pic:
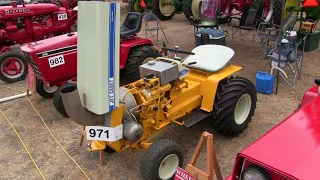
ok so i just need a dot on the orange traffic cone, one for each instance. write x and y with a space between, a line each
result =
143 4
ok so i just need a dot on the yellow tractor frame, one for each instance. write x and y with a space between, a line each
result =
200 92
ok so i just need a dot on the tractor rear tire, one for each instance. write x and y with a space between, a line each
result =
187 11
42 91
57 100
234 106
19 58
156 10
136 58
162 153
277 11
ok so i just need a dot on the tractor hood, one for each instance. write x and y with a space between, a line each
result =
292 147
62 43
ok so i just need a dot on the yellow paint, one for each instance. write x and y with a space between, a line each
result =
97 146
289 3
159 106
211 86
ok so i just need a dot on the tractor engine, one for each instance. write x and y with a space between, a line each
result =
148 95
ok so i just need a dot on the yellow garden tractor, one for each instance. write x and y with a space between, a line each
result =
170 91
180 91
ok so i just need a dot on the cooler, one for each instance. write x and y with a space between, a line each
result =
312 41
210 36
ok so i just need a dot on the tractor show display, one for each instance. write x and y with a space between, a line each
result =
121 91
21 24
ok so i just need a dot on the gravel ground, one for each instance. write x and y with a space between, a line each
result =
15 163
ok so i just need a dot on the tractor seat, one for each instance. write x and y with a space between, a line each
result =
209 58
131 25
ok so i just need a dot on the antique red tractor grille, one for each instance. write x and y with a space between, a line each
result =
33 64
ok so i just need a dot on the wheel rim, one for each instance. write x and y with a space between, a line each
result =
166 7
12 68
168 166
242 109
290 4
48 88
268 10
147 59
137 7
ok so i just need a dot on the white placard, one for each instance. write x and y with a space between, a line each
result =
62 16
102 133
56 61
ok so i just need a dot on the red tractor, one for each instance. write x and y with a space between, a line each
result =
20 24
291 150
54 60
68 4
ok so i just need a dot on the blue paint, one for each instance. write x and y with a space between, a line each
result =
112 26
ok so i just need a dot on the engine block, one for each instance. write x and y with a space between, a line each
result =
165 71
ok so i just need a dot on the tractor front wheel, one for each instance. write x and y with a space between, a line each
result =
13 66
161 160
135 6
57 100
44 89
234 106
163 9
137 57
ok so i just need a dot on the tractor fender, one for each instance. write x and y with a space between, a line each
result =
309 95
127 46
210 87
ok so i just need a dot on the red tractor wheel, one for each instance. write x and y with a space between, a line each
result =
13 66
268 10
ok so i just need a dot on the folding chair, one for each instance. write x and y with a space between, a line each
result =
150 17
276 32
248 22
287 55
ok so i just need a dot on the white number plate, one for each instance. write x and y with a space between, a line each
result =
62 16
56 61
102 133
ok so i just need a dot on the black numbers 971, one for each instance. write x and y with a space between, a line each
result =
98 133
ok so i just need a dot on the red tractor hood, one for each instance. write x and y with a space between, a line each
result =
292 147
57 42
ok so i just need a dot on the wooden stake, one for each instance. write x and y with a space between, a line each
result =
212 162
83 132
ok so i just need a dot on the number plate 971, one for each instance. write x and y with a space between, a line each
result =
102 133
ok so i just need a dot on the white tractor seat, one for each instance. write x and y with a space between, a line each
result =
209 58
